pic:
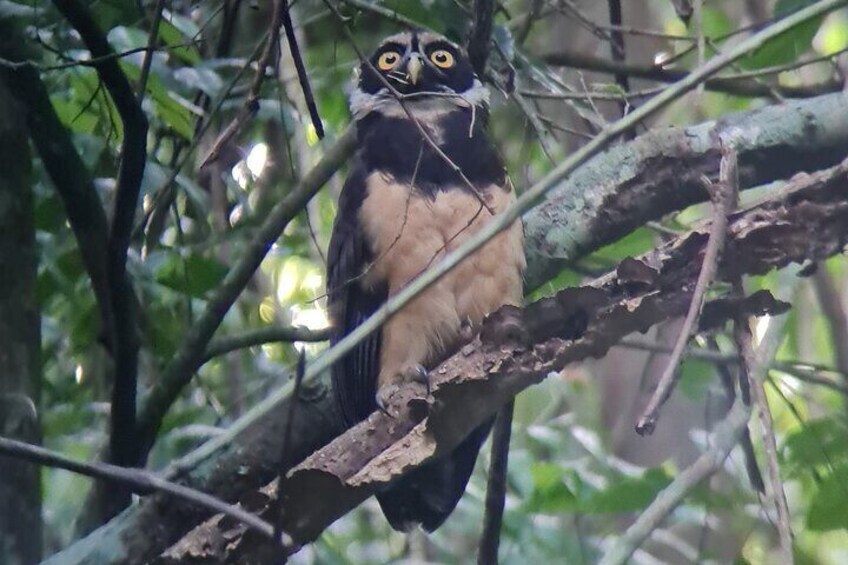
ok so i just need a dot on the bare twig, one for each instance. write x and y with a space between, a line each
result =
833 311
728 382
723 441
139 481
251 102
724 196
756 380
151 49
223 345
742 86
619 55
496 490
302 75
803 371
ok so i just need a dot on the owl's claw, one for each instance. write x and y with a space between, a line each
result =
414 374
382 398
418 374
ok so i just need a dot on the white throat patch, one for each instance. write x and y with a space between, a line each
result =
362 103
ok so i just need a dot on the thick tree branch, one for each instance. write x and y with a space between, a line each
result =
604 200
63 164
661 171
808 220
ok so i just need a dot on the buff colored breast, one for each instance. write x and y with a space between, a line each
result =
412 231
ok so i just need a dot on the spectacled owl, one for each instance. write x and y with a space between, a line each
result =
410 199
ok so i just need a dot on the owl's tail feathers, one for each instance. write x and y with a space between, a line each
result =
429 494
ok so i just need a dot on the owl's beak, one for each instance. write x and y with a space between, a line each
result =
413 69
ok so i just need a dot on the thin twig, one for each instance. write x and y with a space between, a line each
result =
496 490
801 370
302 75
251 102
287 437
724 196
224 345
618 53
151 49
723 441
743 86
139 481
756 380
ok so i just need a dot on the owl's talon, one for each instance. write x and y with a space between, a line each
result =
382 398
419 374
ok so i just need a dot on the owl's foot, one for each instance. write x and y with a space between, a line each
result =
413 374
466 330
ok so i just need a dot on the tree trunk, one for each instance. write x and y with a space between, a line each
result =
20 338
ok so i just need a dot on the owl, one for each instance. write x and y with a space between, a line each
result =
425 178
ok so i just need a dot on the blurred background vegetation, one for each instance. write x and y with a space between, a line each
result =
578 473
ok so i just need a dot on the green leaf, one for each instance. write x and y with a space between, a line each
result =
203 79
195 275
695 378
787 46
169 106
628 494
633 244
829 507
550 494
173 32
818 442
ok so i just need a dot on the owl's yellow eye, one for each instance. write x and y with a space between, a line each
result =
388 60
442 58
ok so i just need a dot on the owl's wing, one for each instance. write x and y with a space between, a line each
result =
350 303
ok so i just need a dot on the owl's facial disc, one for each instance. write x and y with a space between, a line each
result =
416 64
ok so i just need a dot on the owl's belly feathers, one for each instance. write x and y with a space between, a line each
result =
410 231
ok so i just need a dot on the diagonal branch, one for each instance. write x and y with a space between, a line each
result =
724 196
139 481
